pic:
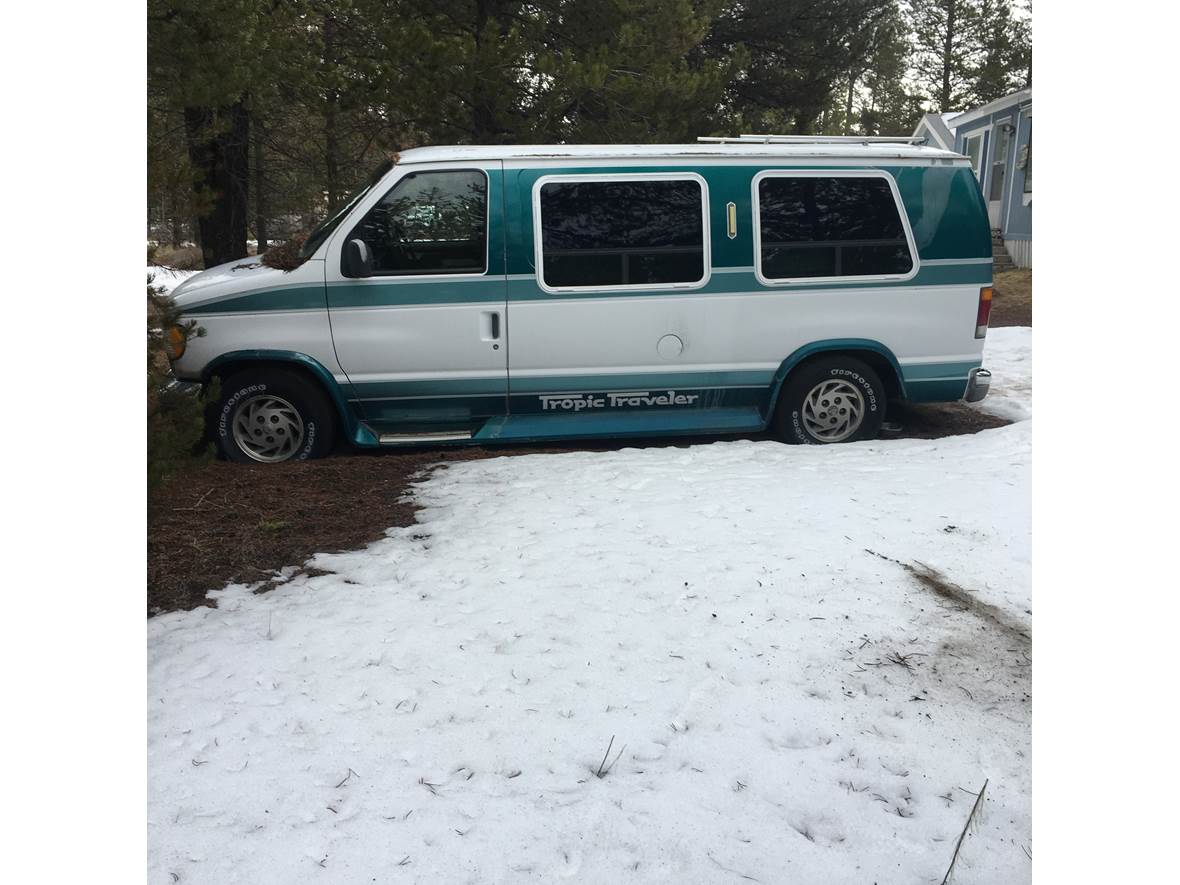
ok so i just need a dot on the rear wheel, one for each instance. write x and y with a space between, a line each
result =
830 399
269 416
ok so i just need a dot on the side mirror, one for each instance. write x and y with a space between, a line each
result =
358 260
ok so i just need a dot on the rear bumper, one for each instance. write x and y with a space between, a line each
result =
979 381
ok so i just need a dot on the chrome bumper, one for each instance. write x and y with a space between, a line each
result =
978 383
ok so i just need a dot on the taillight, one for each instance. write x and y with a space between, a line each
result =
985 312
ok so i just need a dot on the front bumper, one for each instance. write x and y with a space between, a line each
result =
979 381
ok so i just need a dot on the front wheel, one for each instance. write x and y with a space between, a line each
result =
830 400
270 415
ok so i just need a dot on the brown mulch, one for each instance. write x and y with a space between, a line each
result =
218 523
1012 298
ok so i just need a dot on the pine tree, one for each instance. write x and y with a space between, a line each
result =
892 106
627 71
799 53
945 34
203 58
994 69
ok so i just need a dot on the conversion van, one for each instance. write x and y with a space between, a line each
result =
499 294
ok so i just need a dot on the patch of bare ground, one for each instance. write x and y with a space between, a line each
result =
1012 298
939 584
936 420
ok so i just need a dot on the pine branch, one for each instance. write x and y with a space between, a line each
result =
963 835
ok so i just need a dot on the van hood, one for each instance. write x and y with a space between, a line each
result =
242 277
246 270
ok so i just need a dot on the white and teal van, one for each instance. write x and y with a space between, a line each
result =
499 294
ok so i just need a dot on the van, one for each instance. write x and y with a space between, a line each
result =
500 294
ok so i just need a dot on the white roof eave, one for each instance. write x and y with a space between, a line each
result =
1014 98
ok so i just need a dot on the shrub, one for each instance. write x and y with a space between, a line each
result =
176 423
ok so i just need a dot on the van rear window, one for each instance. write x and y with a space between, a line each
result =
820 226
622 232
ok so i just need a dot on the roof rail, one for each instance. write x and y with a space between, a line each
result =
746 138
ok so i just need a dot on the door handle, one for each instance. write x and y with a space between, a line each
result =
489 325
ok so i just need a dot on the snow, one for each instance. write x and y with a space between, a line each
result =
168 278
788 699
1008 354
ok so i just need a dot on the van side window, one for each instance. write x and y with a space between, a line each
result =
622 232
430 223
841 226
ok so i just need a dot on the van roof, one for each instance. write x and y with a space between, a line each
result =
814 151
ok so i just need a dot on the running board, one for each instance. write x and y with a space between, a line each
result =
395 439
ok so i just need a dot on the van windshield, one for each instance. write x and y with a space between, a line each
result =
324 229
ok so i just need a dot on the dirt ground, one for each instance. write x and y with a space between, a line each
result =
1012 298
220 522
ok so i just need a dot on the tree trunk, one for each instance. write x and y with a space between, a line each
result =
948 59
332 149
175 225
260 207
848 107
483 113
331 119
219 151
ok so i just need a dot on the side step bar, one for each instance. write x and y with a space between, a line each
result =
393 439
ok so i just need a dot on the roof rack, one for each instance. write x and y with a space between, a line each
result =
746 138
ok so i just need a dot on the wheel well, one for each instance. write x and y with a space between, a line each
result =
877 361
233 367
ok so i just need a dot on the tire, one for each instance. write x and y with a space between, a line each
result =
270 415
830 399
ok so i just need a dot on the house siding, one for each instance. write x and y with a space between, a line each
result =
1015 217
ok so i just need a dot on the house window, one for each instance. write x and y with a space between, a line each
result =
1028 167
999 163
430 223
973 148
630 231
826 226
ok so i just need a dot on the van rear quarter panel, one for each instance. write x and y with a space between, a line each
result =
736 330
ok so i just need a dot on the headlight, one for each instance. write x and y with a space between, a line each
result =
175 341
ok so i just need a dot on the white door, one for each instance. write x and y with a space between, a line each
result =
422 338
998 174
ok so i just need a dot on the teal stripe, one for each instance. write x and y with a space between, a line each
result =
937 382
414 292
938 371
614 424
308 296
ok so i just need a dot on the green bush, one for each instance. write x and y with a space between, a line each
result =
175 419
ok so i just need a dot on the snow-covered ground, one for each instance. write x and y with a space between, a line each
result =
1008 353
808 659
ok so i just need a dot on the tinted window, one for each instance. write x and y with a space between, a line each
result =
431 222
830 227
622 233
